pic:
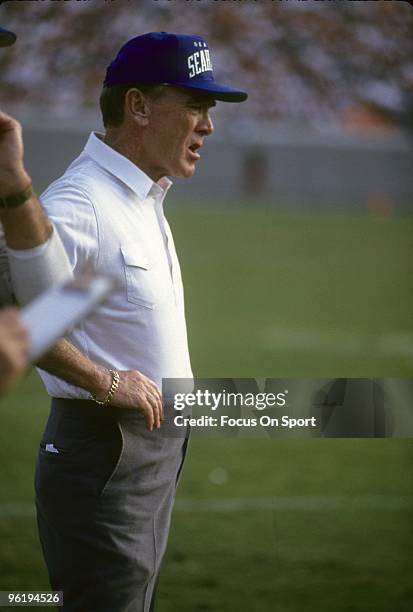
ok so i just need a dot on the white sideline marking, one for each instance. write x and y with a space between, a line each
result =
241 504
375 502
284 338
16 509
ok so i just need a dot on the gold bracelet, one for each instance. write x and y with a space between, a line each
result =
113 387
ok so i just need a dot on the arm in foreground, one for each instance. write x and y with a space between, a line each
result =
26 226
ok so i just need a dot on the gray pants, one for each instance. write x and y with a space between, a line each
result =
105 488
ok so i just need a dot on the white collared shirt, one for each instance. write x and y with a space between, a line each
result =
108 212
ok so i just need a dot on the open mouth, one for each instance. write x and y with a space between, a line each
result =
193 149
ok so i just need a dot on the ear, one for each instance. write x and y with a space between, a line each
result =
137 107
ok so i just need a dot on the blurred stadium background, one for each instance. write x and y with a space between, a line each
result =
296 244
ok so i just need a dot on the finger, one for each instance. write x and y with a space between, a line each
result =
154 387
154 391
156 410
150 387
157 404
5 118
7 123
149 419
146 408
159 411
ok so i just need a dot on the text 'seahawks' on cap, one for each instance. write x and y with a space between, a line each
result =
175 59
7 38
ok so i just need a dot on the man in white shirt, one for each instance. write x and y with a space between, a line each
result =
106 474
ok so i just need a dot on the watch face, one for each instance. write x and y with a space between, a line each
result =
7 38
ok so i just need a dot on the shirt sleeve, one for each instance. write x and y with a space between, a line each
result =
34 270
73 215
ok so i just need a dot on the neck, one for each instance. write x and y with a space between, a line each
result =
116 141
131 148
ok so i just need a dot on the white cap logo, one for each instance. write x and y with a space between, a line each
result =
200 61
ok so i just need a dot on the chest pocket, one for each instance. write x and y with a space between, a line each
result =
145 284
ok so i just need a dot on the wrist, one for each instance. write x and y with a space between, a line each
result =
106 400
17 199
14 183
100 384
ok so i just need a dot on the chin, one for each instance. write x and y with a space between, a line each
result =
188 171
184 170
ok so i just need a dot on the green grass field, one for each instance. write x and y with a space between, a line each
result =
290 525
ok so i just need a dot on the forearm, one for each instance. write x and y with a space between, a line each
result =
135 391
70 364
26 226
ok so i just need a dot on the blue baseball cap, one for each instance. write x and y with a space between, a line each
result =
7 38
174 59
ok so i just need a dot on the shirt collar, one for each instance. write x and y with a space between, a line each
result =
124 169
159 190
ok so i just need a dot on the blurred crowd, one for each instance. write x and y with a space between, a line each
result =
301 61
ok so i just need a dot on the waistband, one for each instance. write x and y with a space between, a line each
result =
83 410
89 408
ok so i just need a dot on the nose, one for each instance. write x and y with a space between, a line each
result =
205 126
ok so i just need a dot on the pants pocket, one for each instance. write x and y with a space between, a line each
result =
121 450
66 435
77 463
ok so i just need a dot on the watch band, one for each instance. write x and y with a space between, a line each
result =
15 200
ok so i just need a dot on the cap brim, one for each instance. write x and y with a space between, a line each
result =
218 91
7 38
